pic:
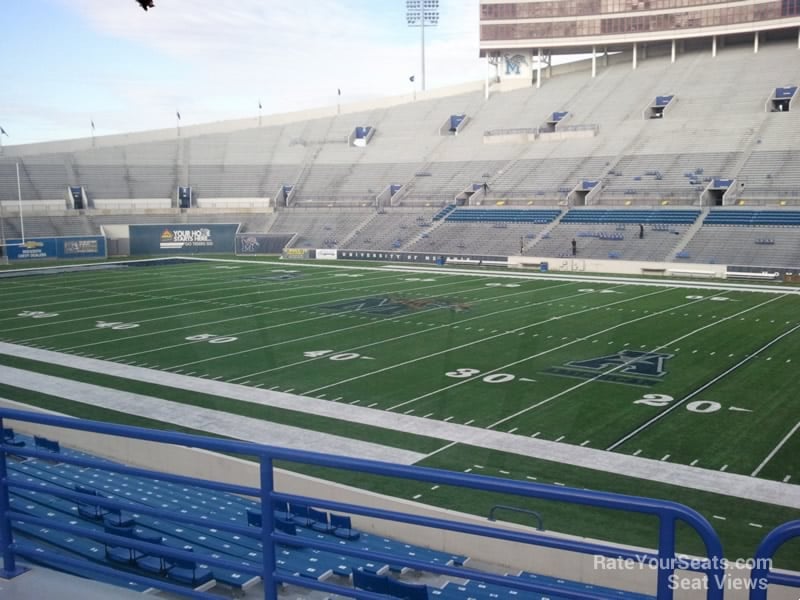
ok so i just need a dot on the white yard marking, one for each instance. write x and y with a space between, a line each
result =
513 429
756 525
466 345
430 414
409 411
372 405
417 497
705 386
450 418
531 477
775 450
665 457
561 437
694 462
435 487
638 452
505 472
787 478
585 443
533 435
737 409
719 518
723 468
470 422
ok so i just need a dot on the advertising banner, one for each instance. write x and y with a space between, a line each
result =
75 247
183 238
326 254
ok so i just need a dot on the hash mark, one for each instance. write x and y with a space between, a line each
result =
638 452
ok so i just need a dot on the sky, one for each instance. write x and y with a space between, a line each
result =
67 63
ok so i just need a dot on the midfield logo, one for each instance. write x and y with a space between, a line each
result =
387 306
626 366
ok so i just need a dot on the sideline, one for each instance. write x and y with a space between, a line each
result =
717 482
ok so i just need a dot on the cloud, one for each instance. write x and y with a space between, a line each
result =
225 56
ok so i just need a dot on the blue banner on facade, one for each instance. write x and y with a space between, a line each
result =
183 238
79 247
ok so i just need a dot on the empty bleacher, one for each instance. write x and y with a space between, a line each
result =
766 238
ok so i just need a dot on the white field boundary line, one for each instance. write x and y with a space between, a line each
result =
387 320
108 277
473 343
676 283
216 308
628 363
675 405
217 302
422 332
775 450
277 325
201 419
725 484
146 295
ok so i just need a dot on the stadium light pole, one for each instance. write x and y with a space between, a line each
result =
422 14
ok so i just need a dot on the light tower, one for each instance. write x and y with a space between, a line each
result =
422 14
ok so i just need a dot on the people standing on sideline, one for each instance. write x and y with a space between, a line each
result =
641 231
574 247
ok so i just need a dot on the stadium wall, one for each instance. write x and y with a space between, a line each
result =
618 267
515 556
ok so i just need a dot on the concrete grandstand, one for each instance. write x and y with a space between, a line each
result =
720 144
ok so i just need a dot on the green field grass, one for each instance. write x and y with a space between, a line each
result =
690 376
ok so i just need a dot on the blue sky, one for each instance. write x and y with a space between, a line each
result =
67 62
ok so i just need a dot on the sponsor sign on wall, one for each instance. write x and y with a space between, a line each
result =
57 247
326 254
183 239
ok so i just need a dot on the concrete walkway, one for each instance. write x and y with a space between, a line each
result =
729 484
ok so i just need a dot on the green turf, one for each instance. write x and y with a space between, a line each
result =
465 349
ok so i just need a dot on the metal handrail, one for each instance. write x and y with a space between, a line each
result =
668 513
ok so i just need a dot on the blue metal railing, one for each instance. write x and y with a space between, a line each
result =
762 574
667 513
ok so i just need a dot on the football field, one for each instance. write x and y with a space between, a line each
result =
677 374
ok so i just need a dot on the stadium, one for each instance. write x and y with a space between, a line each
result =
532 336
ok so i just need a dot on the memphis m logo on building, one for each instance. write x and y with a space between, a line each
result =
387 306
185 238
626 366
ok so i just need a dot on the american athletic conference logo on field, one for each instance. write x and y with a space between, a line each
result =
626 366
388 306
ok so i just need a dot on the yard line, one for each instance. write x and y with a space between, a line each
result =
618 367
559 438
775 449
349 328
247 316
665 457
694 462
384 341
249 331
705 386
638 452
472 343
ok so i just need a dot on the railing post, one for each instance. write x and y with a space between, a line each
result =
10 568
267 527
666 556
